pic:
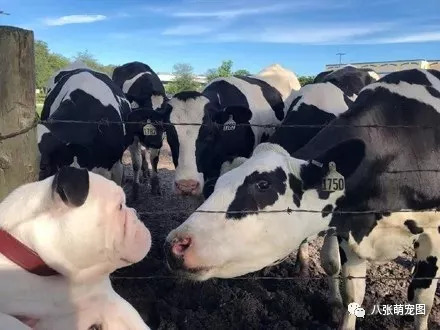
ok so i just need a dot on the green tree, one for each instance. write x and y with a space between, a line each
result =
225 70
89 59
184 79
42 67
46 63
242 72
305 80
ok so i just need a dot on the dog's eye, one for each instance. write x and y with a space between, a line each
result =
96 327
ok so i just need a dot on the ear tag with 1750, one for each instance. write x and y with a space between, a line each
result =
149 129
230 124
334 181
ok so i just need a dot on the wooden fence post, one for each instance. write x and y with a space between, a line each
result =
18 155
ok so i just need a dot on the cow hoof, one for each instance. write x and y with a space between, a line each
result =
301 269
146 174
156 191
135 193
155 187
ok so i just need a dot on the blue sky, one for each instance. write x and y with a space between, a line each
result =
302 35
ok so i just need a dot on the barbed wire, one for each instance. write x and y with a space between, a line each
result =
290 211
20 132
105 122
284 278
122 122
287 210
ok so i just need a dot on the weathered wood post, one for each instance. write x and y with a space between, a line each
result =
17 109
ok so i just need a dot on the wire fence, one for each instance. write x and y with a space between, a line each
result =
104 122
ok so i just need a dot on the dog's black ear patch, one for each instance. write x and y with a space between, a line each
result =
72 184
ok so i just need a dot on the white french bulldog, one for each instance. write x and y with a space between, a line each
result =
60 238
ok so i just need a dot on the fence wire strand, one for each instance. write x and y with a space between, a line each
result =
105 122
285 278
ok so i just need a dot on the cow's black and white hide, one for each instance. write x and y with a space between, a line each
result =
146 94
200 150
387 175
316 104
83 95
348 78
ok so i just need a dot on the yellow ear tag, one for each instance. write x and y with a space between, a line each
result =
149 129
229 125
334 181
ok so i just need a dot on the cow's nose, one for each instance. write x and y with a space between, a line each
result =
175 252
187 186
180 245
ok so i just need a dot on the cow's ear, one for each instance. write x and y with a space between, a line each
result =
72 185
239 115
347 157
165 111
230 165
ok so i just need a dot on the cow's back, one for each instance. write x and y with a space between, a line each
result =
280 78
402 155
83 113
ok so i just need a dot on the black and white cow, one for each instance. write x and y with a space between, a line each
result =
78 93
200 150
385 174
146 94
316 104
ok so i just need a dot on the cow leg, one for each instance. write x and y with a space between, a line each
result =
302 259
117 172
154 159
421 292
145 169
136 159
331 263
354 288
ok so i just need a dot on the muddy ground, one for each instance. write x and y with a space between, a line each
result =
167 303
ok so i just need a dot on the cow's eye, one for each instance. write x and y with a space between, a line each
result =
120 207
263 185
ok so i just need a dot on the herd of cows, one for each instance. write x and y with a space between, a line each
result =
351 157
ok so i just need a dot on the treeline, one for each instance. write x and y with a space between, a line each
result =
47 63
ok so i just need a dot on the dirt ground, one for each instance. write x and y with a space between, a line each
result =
168 303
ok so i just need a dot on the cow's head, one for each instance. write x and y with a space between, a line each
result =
146 99
200 149
147 125
234 242
77 222
349 79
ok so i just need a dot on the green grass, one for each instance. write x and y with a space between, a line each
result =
39 108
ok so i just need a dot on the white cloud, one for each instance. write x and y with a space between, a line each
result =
234 13
411 38
303 35
187 30
74 19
